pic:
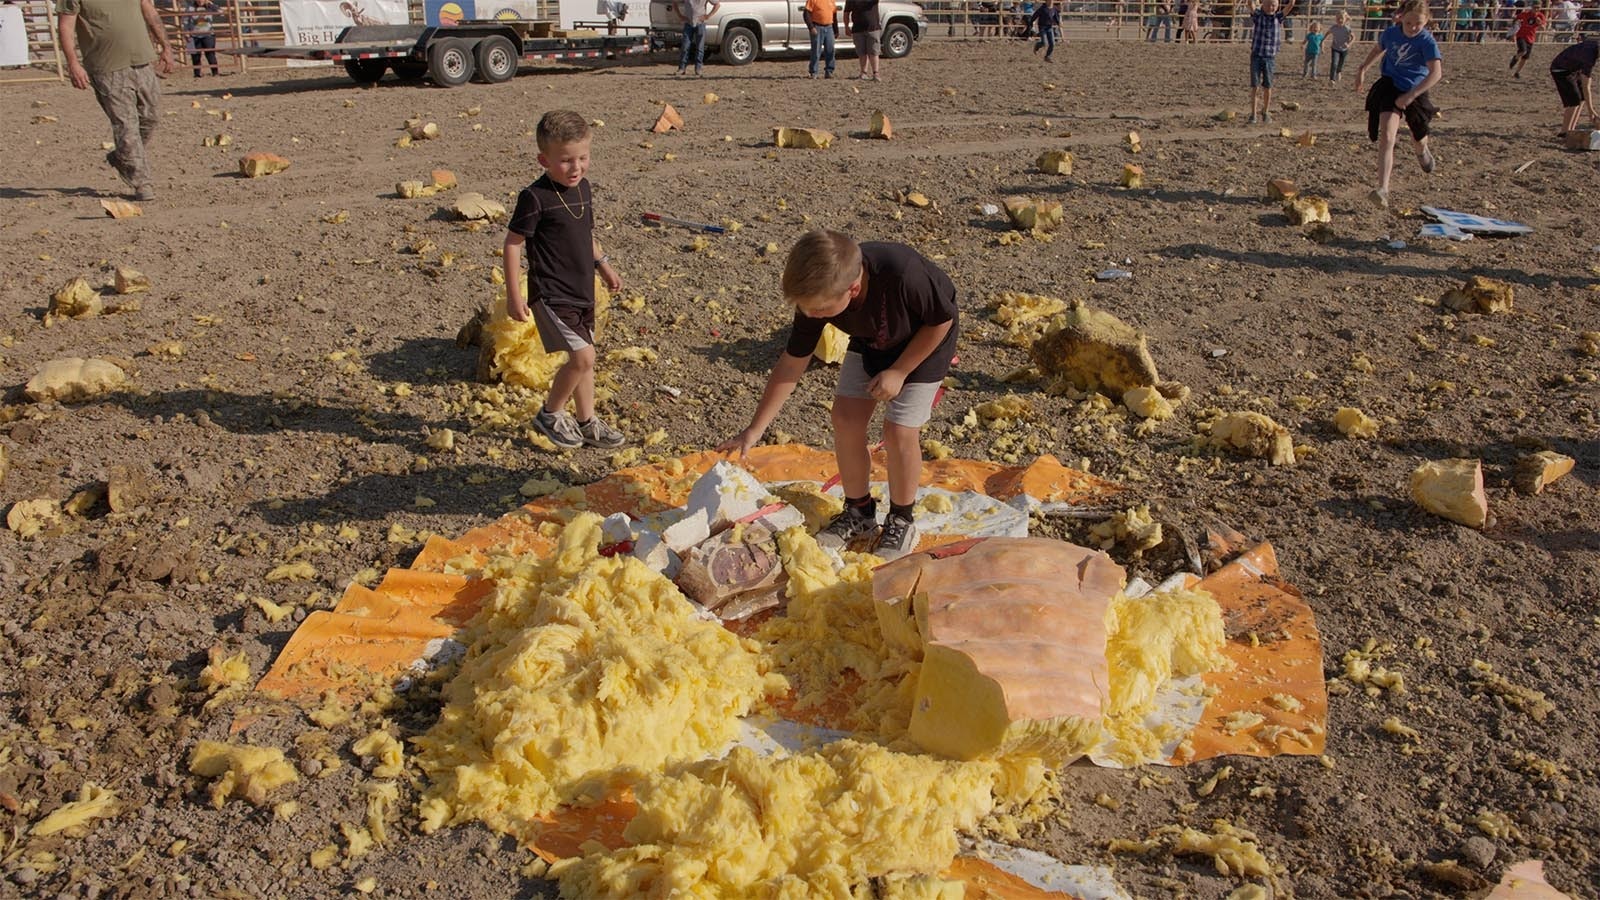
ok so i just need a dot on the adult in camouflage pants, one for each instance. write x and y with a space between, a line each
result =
124 49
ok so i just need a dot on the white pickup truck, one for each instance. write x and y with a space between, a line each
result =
743 30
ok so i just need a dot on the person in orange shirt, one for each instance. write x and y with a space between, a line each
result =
819 21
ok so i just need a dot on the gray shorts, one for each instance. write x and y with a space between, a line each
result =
867 42
562 329
911 409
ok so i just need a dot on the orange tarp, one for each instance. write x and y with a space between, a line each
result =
412 606
374 635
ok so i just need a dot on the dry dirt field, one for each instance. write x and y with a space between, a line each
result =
316 356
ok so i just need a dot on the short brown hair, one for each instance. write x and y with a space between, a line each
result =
1407 7
822 264
560 126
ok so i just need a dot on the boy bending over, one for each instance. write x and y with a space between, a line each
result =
555 219
900 312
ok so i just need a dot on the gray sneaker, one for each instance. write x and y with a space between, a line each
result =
849 524
145 193
899 537
597 433
1266 117
560 428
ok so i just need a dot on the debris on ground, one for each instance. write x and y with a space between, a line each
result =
75 378
1252 434
1479 295
1536 471
802 138
1037 216
260 165
1304 209
880 127
1452 489
1353 423
1093 350
1055 162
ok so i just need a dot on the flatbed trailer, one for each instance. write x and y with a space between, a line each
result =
450 55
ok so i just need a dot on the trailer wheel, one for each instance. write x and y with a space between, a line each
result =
497 59
739 46
897 41
450 62
366 71
410 71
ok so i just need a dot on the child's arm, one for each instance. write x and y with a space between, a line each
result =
1588 99
780 384
1374 56
511 258
602 264
886 385
1288 9
1435 72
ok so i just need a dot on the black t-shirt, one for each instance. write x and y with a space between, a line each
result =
558 223
904 292
1579 57
863 15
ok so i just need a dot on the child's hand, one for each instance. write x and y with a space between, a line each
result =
609 276
517 308
1403 101
886 385
740 443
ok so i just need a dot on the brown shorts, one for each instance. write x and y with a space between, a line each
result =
867 42
563 329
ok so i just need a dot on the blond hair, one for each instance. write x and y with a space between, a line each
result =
823 263
561 126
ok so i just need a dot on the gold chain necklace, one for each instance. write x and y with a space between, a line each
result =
581 202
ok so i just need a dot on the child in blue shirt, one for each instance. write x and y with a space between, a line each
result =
1411 65
1313 50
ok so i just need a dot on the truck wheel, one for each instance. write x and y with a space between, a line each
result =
365 71
450 62
739 46
410 71
497 59
897 41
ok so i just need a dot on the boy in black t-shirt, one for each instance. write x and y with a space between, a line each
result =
900 312
1573 71
555 219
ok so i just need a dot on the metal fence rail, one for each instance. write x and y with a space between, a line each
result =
1229 20
244 23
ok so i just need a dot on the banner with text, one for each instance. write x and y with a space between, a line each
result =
320 21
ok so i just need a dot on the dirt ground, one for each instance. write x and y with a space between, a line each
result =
316 356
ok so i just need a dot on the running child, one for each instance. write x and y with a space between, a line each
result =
901 314
554 218
1528 21
1266 23
1411 65
1338 42
1314 38
1046 19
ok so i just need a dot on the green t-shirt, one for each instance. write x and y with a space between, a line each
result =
111 34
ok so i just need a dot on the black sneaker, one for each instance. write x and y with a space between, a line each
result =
560 428
116 164
848 525
899 537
